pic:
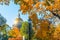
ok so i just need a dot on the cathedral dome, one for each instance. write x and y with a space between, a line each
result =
18 21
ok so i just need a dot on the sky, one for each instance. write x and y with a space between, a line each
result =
10 13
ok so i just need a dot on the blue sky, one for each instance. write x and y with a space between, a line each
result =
10 13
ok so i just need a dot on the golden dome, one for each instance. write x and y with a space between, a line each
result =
18 21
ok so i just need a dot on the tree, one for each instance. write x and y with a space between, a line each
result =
57 33
46 32
49 9
4 32
44 7
14 32
25 30
3 28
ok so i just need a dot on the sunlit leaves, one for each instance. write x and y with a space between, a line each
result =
14 32
24 30
44 25
57 32
26 1
37 5
33 16
24 8
37 34
55 5
49 8
28 5
17 38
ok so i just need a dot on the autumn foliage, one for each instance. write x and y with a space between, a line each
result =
43 28
47 26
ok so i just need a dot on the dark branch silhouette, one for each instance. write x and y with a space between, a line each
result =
55 14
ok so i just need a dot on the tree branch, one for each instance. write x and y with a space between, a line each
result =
55 14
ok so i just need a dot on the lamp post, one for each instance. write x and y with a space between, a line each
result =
1 35
23 37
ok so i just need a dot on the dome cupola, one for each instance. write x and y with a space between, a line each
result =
18 21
